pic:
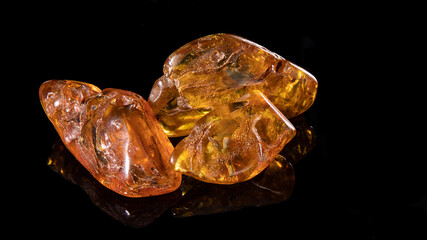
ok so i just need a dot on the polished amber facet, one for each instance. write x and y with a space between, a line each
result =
114 135
220 69
234 142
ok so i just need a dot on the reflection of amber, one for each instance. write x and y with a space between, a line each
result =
133 212
273 185
303 142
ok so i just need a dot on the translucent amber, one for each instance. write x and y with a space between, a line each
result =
220 69
175 119
114 135
234 142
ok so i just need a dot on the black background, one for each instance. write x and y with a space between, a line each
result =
363 180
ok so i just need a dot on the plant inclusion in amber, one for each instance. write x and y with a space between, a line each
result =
114 134
234 142
220 69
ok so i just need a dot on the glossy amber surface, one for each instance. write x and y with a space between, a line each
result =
220 69
234 142
176 119
114 134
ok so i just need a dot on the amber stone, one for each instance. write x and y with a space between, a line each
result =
220 69
273 185
234 142
114 134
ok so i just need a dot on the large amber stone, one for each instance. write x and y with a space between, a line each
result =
114 135
234 142
219 69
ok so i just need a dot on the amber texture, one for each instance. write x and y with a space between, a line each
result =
132 212
234 142
275 184
175 119
114 135
220 69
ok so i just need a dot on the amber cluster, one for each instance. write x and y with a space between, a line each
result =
231 97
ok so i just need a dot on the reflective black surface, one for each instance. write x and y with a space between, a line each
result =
365 178
272 186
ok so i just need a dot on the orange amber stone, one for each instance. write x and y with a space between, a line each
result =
219 69
234 142
114 135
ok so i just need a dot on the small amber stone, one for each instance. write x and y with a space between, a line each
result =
114 135
219 69
234 142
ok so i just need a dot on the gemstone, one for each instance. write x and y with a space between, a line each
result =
234 142
273 185
219 69
114 134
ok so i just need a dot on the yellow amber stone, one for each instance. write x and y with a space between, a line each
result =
234 142
114 135
220 69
